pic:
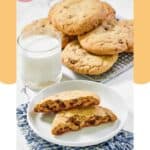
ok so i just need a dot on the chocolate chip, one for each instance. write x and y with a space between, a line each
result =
66 7
92 121
43 26
73 61
120 41
76 122
60 103
97 117
71 119
70 16
105 28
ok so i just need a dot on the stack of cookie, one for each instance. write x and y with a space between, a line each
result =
74 111
100 36
91 35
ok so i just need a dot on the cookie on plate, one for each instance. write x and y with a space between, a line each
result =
75 17
76 119
110 38
82 62
67 100
44 25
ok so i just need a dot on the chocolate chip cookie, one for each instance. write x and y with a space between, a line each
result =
76 119
75 17
112 37
82 62
67 100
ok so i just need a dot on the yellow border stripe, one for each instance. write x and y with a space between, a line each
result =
142 41
8 41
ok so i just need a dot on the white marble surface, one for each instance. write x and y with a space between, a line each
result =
27 12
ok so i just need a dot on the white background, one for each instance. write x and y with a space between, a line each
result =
8 120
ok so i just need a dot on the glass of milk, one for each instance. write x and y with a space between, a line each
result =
39 59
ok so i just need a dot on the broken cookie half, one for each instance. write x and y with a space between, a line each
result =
67 100
78 118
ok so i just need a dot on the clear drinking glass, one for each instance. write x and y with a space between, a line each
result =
39 58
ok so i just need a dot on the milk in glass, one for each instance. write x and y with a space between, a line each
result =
40 60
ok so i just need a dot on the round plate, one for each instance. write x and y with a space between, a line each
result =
41 124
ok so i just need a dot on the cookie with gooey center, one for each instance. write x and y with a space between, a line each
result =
76 119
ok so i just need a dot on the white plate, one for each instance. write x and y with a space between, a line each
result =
41 124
